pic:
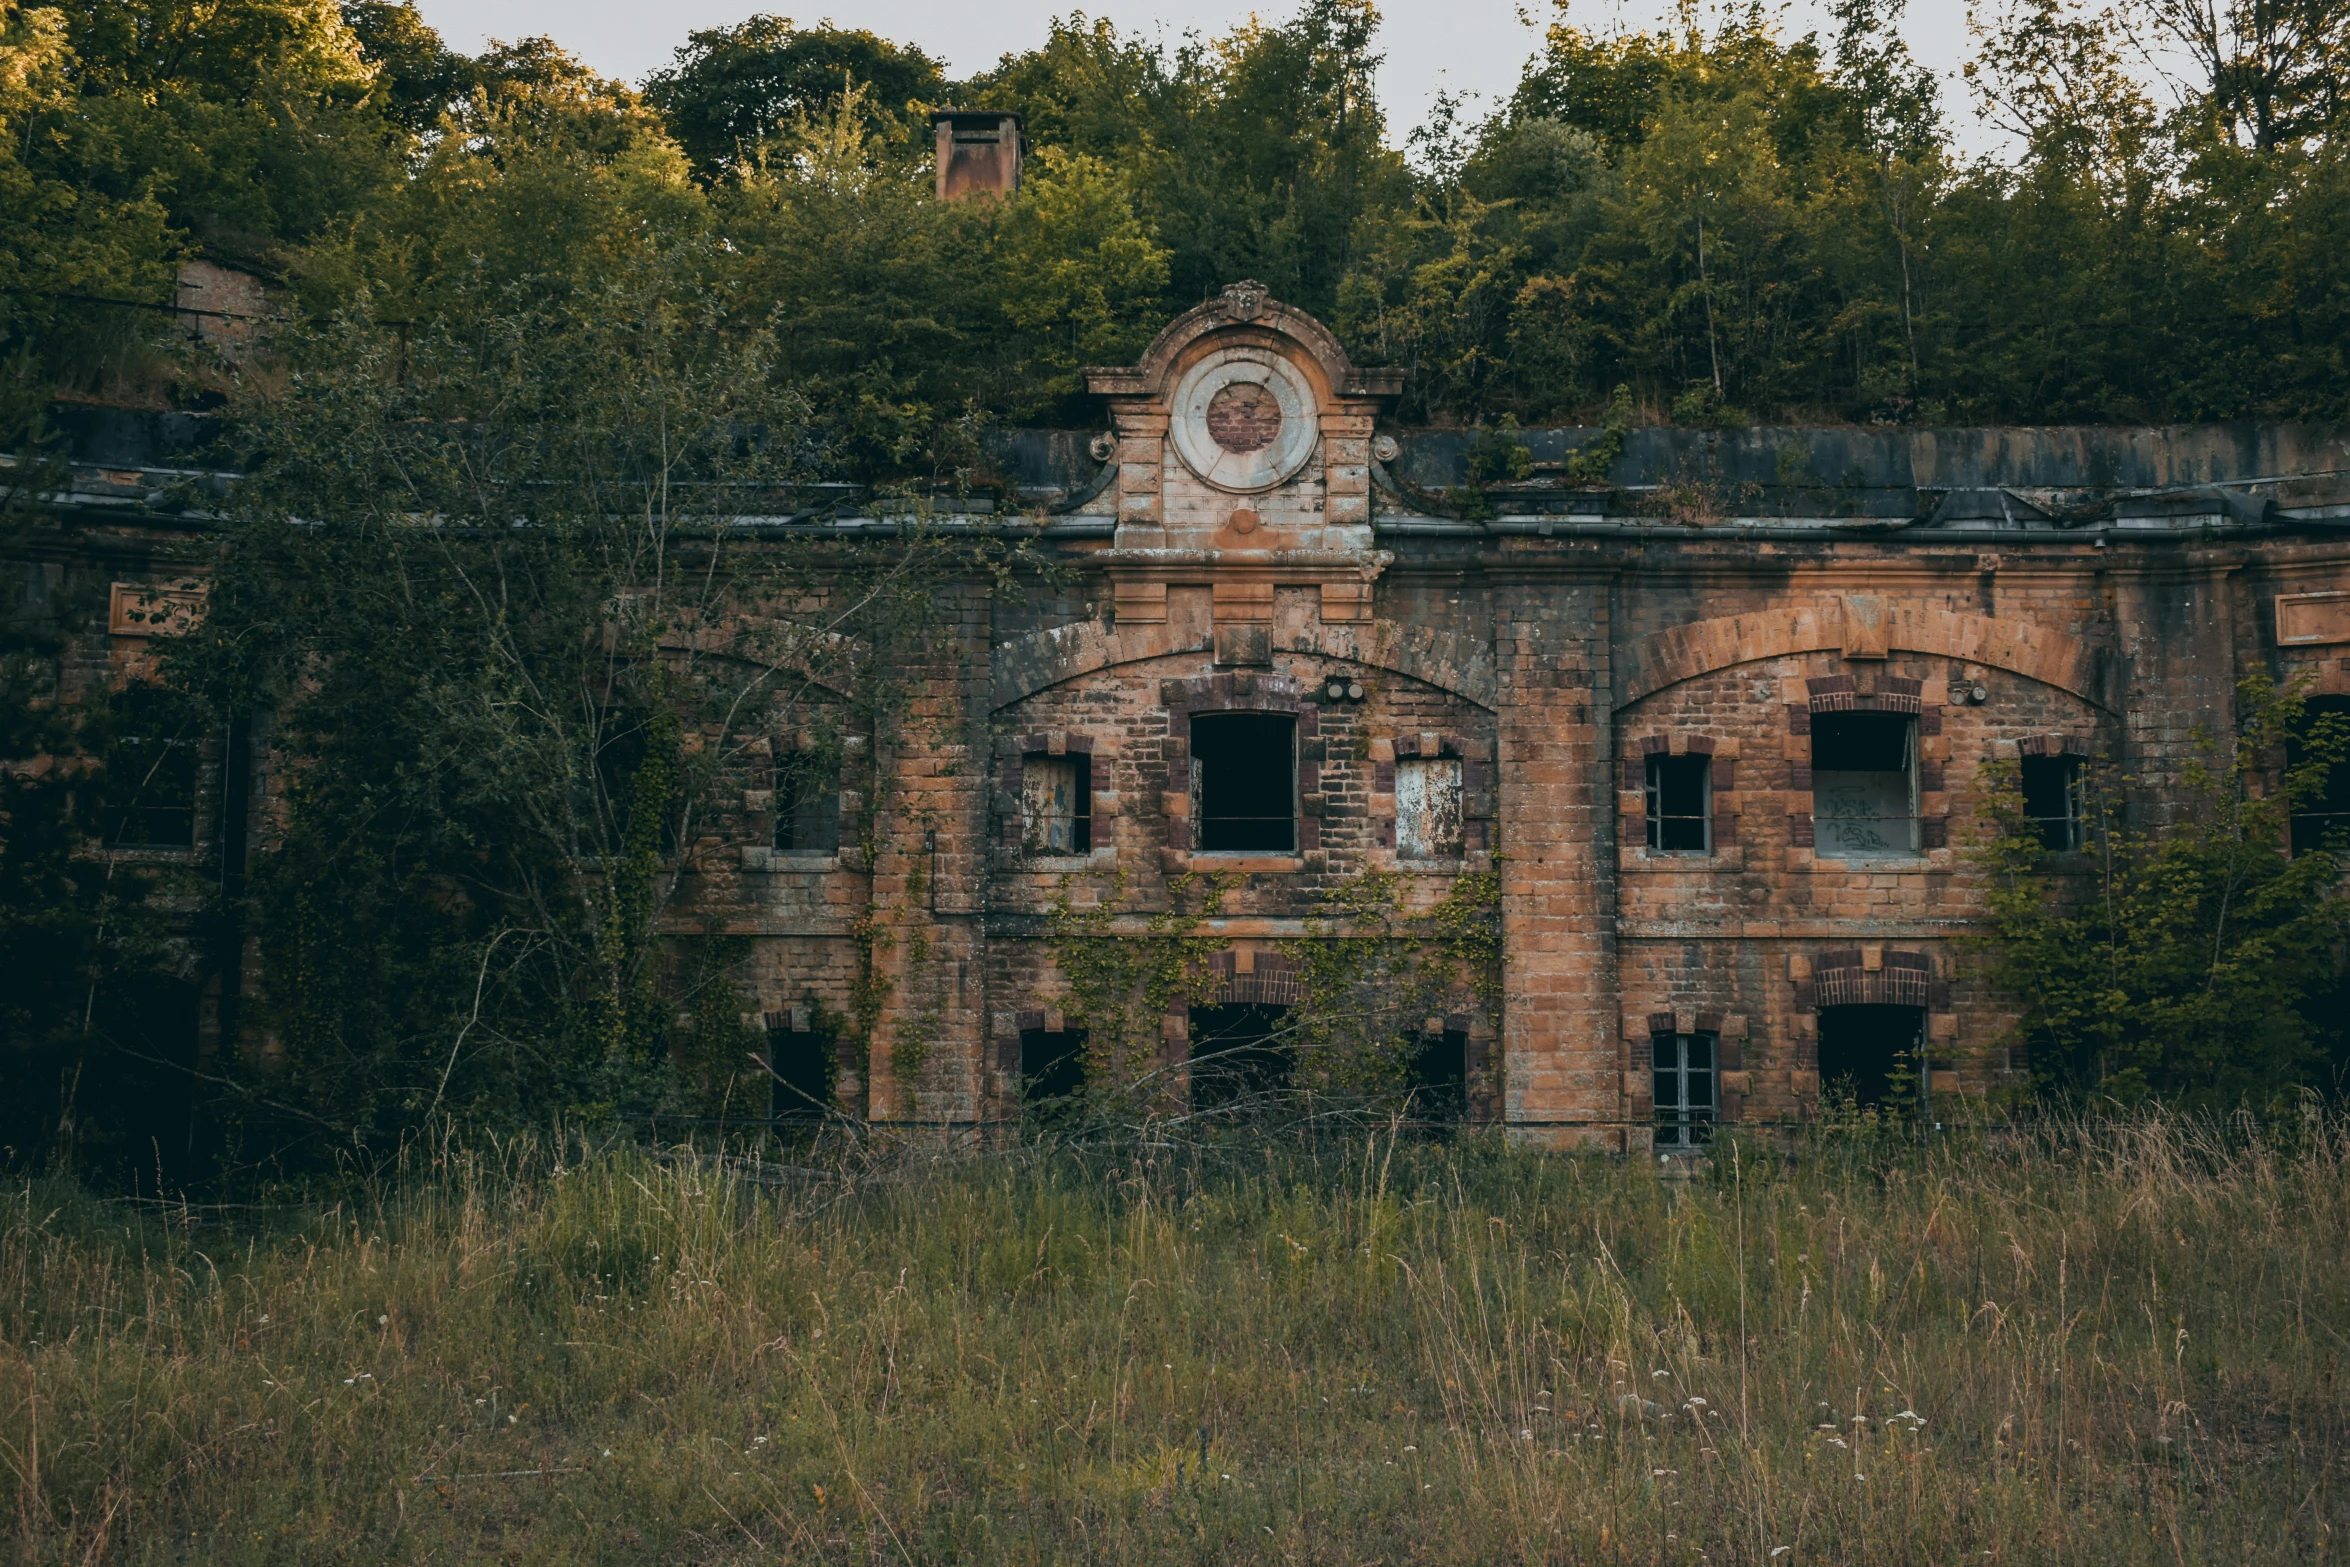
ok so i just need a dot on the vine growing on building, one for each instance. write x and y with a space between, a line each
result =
1120 986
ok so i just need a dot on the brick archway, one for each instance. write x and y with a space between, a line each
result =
1445 660
2026 648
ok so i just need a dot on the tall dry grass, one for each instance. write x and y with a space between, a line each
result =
2083 1343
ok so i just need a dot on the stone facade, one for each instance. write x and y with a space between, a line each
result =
1253 542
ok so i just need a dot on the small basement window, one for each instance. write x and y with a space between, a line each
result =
1437 1077
1056 805
1683 1069
807 804
1680 804
1428 809
2320 738
1052 1065
1864 783
1244 782
1241 1056
801 1066
150 798
2052 800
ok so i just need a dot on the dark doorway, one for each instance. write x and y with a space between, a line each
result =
1052 1066
137 1106
1439 1077
1873 1057
801 1089
1240 1055
1244 782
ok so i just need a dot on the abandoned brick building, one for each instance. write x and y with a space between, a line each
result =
1720 717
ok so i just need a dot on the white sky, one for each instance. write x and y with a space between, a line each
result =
1476 46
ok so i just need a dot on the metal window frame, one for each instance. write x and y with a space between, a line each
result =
2074 793
1682 1119
1653 800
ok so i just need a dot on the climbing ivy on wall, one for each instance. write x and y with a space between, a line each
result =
1369 970
2192 961
1372 970
521 664
1121 987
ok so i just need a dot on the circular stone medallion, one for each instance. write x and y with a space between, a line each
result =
1244 420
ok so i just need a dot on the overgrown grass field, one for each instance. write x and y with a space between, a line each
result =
2086 1343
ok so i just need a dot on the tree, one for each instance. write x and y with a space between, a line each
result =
2270 71
2185 962
733 87
524 663
418 78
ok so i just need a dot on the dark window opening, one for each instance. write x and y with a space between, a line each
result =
1680 804
1052 1066
1240 1055
1056 805
625 737
1244 782
1872 1057
1864 783
2319 738
800 1091
2052 800
150 797
1682 1067
807 804
1438 1076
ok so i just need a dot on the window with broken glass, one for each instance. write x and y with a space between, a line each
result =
1680 804
1864 784
1428 809
1056 805
2052 800
1683 1068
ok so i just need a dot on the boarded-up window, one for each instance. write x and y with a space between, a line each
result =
1428 810
1056 805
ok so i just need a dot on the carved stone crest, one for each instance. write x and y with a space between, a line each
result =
1245 300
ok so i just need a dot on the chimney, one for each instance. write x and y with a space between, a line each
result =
978 153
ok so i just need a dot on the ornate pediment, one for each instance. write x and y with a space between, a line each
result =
1243 442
